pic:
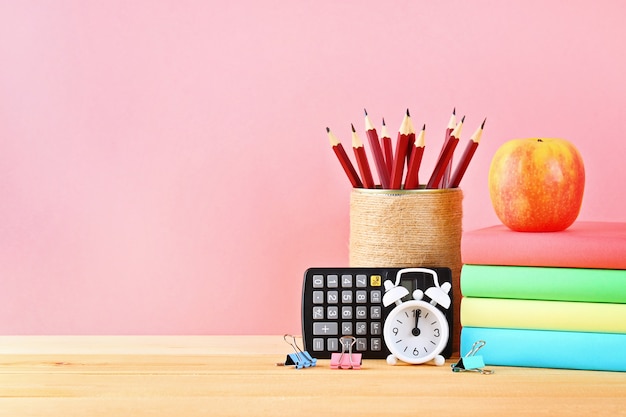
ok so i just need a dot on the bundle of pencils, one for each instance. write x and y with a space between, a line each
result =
400 169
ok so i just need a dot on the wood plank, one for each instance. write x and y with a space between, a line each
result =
222 383
162 345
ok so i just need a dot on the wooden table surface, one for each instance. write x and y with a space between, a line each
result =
238 376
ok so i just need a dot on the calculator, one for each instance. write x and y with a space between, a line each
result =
340 302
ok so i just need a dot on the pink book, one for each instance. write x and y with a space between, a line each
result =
582 245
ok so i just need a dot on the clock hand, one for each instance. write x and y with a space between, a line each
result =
416 330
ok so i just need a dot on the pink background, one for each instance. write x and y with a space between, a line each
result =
164 166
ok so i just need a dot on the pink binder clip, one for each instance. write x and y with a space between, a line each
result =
346 359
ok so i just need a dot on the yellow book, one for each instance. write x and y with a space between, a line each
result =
543 315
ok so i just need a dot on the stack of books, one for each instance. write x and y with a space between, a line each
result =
549 300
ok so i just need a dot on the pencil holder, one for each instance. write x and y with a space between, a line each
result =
403 228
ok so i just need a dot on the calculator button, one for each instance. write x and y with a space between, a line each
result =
346 297
332 313
361 328
375 328
361 344
318 281
318 344
376 344
332 281
361 281
318 313
346 313
346 328
346 281
361 312
376 312
325 328
376 280
318 297
332 344
376 296
361 296
332 297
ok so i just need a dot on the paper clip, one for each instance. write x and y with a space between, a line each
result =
471 361
346 359
300 359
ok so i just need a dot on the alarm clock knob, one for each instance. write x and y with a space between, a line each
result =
393 294
439 295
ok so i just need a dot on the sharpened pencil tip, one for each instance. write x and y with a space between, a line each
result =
483 125
407 113
424 127
454 111
328 130
384 122
462 119
352 125
365 110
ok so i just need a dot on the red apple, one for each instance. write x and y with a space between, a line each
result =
537 185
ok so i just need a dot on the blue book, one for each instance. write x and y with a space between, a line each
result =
548 348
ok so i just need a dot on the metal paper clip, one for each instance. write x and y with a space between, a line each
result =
346 359
300 358
471 361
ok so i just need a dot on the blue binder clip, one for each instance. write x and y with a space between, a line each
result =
299 359
471 361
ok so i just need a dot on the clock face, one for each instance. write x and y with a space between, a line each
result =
416 331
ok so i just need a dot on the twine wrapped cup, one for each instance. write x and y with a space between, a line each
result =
405 228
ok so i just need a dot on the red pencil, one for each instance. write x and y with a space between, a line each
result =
344 160
467 156
412 175
401 149
361 160
387 147
445 156
411 142
451 125
372 136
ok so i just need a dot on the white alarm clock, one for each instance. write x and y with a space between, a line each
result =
416 331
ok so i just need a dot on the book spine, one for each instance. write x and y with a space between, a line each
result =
548 349
544 283
543 315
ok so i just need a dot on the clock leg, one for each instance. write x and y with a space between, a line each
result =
392 360
439 360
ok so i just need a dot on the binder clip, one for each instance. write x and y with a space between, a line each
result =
346 359
471 361
300 358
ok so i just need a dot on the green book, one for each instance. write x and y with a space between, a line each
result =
544 283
